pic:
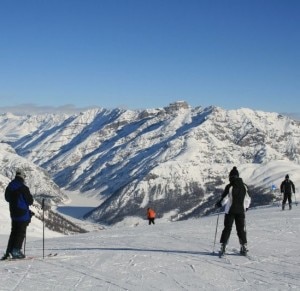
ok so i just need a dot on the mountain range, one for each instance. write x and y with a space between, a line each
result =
175 159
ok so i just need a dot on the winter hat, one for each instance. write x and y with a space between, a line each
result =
20 173
234 172
287 177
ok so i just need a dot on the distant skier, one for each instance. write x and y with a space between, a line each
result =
18 196
237 201
286 188
151 215
234 172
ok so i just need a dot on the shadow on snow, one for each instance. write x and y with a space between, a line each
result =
203 253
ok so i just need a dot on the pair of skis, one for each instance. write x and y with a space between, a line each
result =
51 255
235 252
221 254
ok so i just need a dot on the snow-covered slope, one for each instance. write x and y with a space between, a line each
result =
37 179
176 158
167 256
42 188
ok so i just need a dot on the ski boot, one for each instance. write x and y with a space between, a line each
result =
222 250
283 206
17 254
5 257
244 250
290 206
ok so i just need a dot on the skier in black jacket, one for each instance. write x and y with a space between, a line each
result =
18 196
286 188
237 201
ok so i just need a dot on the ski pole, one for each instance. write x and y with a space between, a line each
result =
295 199
43 208
24 244
216 230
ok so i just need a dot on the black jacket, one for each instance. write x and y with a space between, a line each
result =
238 199
287 186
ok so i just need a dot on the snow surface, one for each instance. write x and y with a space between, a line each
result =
166 256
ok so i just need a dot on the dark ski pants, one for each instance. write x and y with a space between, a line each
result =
17 236
287 196
151 220
240 227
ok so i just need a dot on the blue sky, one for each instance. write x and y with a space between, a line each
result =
148 53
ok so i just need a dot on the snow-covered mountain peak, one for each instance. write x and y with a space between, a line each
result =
176 157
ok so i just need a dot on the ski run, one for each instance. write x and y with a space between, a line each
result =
166 256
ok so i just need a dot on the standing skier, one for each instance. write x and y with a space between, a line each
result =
286 188
151 215
18 196
237 201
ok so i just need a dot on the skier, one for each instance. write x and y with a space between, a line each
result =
286 188
237 201
151 215
18 195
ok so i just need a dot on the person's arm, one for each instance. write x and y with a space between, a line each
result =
281 187
293 186
247 199
7 195
27 195
225 193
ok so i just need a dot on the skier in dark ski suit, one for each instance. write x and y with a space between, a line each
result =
286 188
18 196
237 201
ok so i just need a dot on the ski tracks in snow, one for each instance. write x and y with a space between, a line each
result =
175 256
86 277
23 274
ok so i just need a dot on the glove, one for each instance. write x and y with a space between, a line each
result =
31 213
218 204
